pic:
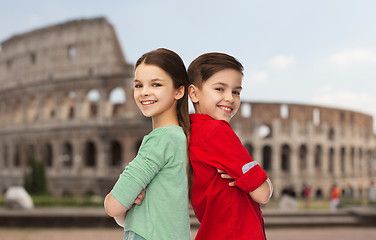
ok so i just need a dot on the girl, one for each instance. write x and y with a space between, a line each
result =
160 92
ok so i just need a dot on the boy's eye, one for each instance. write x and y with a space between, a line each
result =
137 86
236 92
156 85
219 89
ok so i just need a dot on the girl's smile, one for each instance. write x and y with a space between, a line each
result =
155 94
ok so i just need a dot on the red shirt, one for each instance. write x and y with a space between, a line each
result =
224 212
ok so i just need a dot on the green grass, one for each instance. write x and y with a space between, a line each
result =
48 201
322 204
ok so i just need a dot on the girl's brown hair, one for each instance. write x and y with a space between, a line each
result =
174 66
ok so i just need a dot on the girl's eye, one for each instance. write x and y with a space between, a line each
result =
137 86
156 85
236 92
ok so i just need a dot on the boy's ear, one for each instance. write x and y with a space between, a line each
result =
179 93
192 92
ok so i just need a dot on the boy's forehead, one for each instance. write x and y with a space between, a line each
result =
230 78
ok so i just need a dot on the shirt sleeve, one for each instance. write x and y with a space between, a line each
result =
142 169
226 152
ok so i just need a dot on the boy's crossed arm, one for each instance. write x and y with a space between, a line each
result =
261 194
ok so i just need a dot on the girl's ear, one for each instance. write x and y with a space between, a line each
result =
179 93
192 92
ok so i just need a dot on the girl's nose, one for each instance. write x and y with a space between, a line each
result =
145 91
228 97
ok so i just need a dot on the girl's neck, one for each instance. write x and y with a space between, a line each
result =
164 121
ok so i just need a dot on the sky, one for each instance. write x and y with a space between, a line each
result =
320 52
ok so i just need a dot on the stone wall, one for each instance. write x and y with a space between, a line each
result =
66 98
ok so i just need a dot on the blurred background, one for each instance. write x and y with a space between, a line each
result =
69 125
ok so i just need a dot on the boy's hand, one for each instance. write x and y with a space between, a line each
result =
226 176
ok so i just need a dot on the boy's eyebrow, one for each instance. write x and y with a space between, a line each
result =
225 85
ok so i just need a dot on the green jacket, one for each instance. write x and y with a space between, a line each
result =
160 165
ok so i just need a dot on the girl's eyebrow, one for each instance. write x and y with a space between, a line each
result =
226 85
153 80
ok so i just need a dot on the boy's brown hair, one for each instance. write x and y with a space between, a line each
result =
206 65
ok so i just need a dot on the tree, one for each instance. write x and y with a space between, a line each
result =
35 180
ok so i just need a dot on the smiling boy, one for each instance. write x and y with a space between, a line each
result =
224 212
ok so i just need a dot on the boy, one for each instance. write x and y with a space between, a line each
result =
224 212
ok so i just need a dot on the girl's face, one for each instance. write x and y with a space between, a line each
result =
154 92
219 96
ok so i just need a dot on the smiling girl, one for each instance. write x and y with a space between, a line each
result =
160 91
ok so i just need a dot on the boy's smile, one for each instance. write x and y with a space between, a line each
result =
219 96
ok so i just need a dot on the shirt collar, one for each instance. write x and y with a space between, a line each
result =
199 117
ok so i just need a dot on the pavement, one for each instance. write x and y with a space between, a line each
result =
336 233
93 223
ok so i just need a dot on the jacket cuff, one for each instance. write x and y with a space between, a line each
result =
252 179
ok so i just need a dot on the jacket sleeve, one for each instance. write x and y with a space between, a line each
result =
142 169
226 152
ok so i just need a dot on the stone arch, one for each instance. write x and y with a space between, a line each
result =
67 193
67 155
343 160
331 160
17 157
352 160
32 109
117 99
267 158
5 156
47 155
360 162
285 158
18 112
49 109
8 114
116 154
369 163
318 158
331 134
318 193
90 154
68 105
30 153
303 157
249 148
91 103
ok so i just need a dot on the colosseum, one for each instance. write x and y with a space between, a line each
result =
66 99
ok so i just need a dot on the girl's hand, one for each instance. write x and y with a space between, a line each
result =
140 197
226 176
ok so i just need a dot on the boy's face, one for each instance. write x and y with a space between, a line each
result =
219 96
